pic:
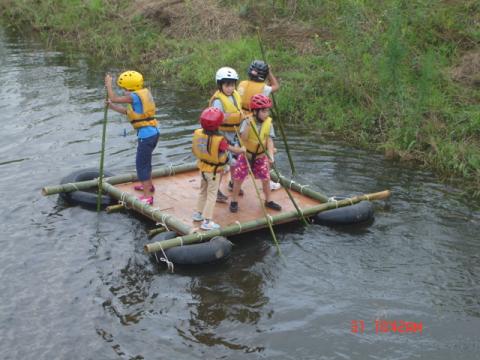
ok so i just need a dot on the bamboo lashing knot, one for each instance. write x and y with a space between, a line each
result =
270 218
172 170
165 260
74 186
122 201
239 226
332 199
301 189
164 221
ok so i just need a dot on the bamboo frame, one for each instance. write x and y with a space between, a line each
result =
132 202
255 224
118 179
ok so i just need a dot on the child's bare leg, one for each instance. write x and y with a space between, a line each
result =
266 189
147 187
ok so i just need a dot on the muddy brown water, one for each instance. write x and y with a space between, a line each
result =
77 285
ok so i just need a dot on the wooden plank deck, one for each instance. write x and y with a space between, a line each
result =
177 195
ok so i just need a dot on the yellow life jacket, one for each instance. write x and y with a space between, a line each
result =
247 89
206 149
148 117
234 110
251 144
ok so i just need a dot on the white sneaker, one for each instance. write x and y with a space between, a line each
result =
209 225
197 216
274 185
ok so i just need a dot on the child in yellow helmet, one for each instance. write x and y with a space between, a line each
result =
140 111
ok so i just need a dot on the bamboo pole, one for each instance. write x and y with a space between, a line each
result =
118 179
255 224
156 231
277 113
134 203
302 189
114 208
102 153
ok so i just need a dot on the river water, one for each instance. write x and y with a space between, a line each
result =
77 285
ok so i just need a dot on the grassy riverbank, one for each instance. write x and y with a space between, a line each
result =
400 76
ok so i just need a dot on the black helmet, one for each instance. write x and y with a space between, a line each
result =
258 70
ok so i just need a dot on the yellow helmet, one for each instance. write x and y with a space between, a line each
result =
130 80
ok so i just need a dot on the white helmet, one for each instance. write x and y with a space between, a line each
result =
225 73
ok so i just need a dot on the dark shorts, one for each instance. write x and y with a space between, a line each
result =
144 157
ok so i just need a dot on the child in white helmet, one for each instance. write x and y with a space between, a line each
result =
140 111
227 99
259 74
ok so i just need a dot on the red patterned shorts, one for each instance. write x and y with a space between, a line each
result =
260 168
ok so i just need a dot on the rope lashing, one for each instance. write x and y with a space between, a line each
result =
332 199
239 226
165 260
172 170
74 186
301 189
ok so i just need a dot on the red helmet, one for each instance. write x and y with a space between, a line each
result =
260 101
211 118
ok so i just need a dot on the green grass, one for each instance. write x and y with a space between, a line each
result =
376 73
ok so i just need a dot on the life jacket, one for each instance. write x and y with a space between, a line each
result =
247 89
251 144
148 117
234 110
206 149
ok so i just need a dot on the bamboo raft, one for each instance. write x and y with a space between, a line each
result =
175 197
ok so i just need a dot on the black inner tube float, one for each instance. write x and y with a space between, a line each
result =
218 248
358 213
87 199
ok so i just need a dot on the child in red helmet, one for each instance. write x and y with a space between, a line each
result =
211 149
260 81
255 155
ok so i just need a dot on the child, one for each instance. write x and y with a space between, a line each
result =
258 73
228 101
210 148
259 161
140 111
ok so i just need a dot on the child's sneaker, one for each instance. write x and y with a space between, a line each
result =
146 199
140 188
197 216
274 185
221 198
230 188
209 225
233 206
273 205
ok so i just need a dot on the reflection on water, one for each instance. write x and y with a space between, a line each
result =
76 284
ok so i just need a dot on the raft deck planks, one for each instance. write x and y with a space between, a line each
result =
177 195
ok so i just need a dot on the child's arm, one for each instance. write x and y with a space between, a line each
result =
118 108
111 94
272 80
270 149
236 149
244 134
